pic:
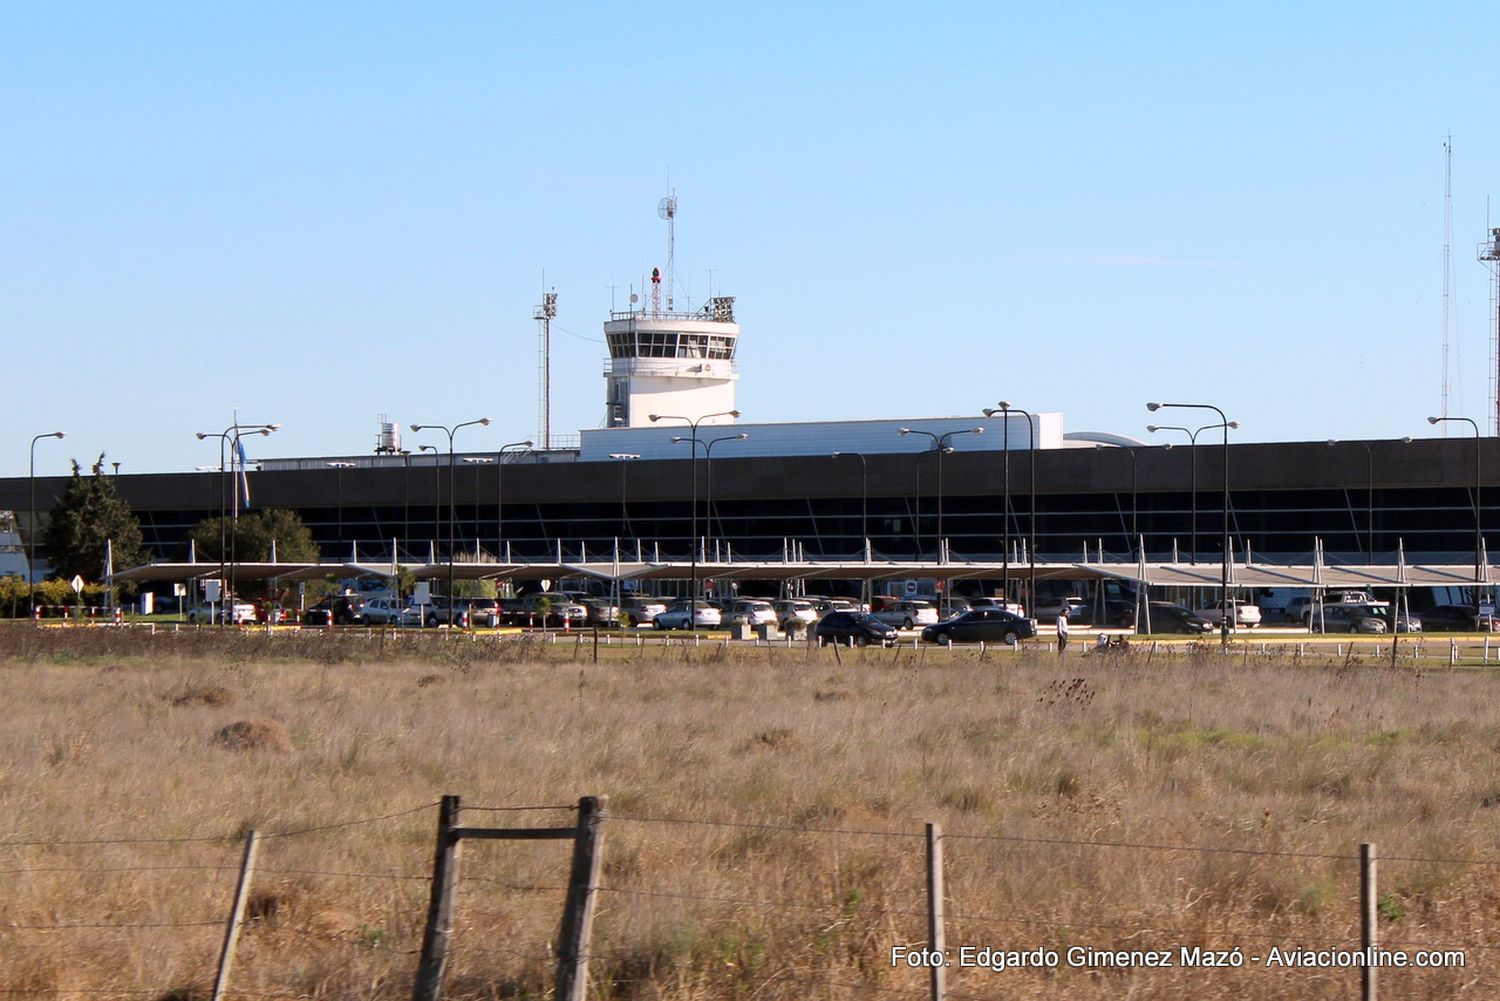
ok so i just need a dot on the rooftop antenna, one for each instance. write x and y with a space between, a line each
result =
667 209
1447 259
545 314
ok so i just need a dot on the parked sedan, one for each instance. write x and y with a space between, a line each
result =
1347 619
1455 619
857 628
795 610
908 614
1241 613
989 625
678 616
1047 610
1169 618
640 611
751 612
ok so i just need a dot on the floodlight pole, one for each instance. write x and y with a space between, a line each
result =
519 446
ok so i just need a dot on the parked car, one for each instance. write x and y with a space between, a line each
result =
825 605
1347 619
483 611
1241 613
791 611
1167 617
551 608
989 625
1297 609
600 610
1455 619
752 612
390 612
1046 611
236 612
858 628
679 614
908 614
640 611
441 612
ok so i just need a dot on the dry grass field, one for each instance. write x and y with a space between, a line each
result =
766 811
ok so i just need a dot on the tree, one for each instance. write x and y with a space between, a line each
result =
86 520
253 534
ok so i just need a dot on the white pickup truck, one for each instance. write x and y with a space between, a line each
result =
1242 613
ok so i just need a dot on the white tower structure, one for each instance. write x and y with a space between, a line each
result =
662 361
1489 256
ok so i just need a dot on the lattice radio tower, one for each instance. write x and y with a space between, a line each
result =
1489 256
545 314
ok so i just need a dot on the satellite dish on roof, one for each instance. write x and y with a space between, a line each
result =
667 207
634 298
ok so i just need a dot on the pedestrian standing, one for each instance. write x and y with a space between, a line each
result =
1062 630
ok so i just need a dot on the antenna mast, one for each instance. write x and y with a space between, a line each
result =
545 314
1447 258
1489 256
667 209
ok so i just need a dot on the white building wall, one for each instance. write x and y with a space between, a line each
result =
823 437
686 397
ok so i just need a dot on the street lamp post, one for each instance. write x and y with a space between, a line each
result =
941 447
1006 409
519 446
624 459
1369 448
693 467
1226 424
338 477
230 438
1478 525
437 487
708 485
864 498
452 507
31 525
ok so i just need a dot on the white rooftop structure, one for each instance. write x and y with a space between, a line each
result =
654 441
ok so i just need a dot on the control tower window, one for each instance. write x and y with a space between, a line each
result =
721 347
658 345
692 346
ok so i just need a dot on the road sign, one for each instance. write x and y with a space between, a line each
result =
77 584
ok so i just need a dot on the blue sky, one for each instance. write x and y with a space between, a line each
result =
321 214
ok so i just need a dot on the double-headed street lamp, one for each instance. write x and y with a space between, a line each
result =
514 446
1193 452
1005 409
230 438
1369 448
31 525
693 466
624 459
864 498
1227 554
1478 529
452 507
708 465
941 447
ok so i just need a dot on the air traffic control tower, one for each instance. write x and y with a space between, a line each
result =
666 362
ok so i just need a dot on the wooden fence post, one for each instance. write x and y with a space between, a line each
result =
936 941
578 911
1368 914
429 983
236 916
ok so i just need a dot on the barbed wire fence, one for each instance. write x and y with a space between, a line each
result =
845 920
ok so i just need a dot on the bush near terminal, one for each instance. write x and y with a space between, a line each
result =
112 736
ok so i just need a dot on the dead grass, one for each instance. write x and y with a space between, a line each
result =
255 735
1199 753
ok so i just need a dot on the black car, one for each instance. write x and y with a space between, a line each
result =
989 625
859 628
344 610
1169 618
1451 619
